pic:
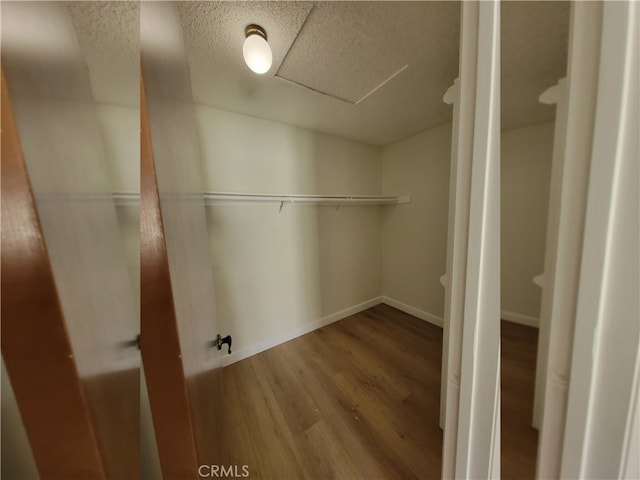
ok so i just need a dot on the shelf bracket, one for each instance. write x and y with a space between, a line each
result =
551 95
452 92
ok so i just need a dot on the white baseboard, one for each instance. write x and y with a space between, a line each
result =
421 314
521 319
297 331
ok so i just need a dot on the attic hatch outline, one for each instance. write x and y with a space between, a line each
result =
325 93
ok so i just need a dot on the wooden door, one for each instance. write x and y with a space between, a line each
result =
160 341
90 317
80 412
178 265
35 345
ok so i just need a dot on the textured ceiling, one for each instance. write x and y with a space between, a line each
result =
349 66
370 71
109 36
534 39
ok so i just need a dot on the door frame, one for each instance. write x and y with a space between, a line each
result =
587 418
603 393
472 408
562 258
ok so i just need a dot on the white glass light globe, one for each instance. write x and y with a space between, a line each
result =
257 54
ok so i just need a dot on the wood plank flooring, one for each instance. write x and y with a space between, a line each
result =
519 440
356 399
360 399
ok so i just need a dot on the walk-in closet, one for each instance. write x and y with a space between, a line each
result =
302 240
326 191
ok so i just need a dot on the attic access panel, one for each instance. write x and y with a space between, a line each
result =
346 50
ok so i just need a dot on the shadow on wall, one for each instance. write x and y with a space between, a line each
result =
525 176
349 238
415 235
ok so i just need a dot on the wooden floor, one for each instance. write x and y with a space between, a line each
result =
519 440
356 399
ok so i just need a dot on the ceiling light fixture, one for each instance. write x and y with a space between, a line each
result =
256 51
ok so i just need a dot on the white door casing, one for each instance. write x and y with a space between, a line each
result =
471 438
562 262
602 398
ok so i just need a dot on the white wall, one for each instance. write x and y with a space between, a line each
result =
526 155
415 235
119 127
277 273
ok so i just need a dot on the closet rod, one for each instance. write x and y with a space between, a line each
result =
211 198
308 199
120 198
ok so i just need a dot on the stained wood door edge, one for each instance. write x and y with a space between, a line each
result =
160 344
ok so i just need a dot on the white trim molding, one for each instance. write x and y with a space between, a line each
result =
416 312
521 319
471 442
569 184
284 336
602 401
